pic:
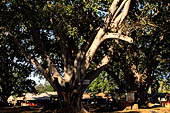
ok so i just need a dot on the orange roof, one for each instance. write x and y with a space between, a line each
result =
86 96
101 95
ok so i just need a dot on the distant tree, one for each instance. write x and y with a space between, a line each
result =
40 88
144 63
48 87
103 83
44 88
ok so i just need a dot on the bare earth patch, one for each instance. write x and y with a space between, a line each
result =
153 110
41 110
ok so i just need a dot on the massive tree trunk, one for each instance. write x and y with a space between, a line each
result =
143 82
70 86
70 103
141 95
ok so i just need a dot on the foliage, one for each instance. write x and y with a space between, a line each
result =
40 88
68 41
146 62
57 37
14 73
73 20
103 83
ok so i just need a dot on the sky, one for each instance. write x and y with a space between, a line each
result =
37 79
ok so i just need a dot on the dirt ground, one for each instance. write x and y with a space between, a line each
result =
153 110
42 110
148 110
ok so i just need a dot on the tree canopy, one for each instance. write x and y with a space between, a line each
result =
61 38
70 41
13 73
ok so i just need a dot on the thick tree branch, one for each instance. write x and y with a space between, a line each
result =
98 39
92 49
125 11
119 19
111 12
90 53
140 76
119 9
36 63
104 61
32 60
92 75
36 38
117 36
63 47
81 53
51 67
96 43
68 69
